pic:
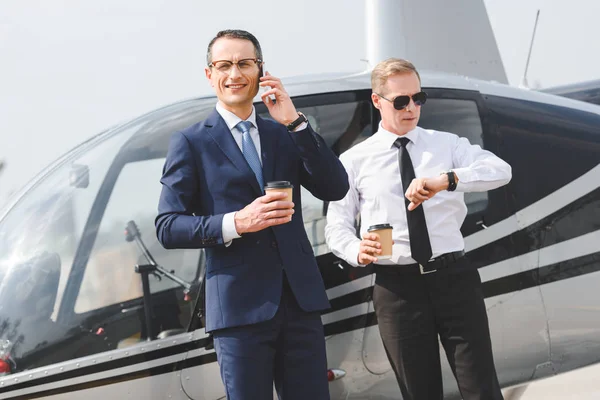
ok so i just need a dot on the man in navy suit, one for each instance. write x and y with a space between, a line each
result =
264 292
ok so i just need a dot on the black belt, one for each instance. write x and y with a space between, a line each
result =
441 262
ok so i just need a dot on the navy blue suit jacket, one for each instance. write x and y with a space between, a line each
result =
206 176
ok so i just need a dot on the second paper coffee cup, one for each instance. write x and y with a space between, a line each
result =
385 239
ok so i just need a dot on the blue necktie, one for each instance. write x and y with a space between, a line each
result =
249 151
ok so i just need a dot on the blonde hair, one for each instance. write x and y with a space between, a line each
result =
387 68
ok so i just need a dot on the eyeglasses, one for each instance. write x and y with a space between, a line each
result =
245 65
401 102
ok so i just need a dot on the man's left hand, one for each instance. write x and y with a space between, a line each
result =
282 110
422 189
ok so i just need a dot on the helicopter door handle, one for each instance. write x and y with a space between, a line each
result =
128 310
482 224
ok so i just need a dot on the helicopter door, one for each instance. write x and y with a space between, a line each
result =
516 317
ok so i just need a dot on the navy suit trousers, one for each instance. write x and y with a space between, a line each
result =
288 350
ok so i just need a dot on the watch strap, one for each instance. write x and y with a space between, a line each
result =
451 181
294 124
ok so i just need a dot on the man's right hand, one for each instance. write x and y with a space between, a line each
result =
265 211
368 249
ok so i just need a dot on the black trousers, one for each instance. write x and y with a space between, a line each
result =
414 309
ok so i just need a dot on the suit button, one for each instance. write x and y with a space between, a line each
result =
274 244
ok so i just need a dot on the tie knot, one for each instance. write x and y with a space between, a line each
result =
401 142
244 126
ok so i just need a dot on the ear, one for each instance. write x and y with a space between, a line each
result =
376 101
208 73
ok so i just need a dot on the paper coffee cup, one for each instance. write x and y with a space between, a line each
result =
384 231
280 186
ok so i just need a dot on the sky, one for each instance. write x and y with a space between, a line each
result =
70 69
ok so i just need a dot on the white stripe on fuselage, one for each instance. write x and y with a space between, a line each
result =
563 251
537 211
349 287
345 313
573 248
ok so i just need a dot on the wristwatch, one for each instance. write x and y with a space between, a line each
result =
294 124
451 180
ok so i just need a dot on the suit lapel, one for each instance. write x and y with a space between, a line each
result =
268 147
218 130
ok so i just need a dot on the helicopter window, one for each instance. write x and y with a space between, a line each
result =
453 115
341 125
460 117
38 242
110 277
67 287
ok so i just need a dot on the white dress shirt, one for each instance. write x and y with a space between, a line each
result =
376 191
228 224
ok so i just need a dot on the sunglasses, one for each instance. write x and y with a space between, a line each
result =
400 102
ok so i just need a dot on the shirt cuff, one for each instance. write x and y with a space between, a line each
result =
228 227
351 254
465 175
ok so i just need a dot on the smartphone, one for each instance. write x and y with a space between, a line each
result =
261 72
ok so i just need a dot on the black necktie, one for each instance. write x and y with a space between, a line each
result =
420 246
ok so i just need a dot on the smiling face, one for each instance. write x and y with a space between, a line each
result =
402 121
237 87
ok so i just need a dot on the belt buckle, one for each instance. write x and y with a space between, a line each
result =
423 272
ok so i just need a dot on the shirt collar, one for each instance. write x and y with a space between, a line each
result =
232 120
388 138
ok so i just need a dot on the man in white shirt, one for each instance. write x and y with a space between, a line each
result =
415 179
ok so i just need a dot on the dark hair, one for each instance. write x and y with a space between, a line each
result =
234 34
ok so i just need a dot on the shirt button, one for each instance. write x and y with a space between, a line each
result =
274 244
